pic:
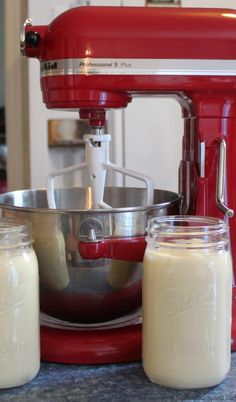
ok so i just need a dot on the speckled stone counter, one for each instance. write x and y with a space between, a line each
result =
113 383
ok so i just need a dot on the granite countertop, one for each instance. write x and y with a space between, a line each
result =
112 382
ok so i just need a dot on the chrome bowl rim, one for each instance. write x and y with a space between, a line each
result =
176 197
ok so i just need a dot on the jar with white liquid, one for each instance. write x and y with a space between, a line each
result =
19 305
187 296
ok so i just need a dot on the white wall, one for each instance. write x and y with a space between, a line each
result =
209 3
153 133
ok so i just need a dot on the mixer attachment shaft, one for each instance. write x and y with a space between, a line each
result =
97 164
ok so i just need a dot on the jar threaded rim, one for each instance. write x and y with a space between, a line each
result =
188 231
15 232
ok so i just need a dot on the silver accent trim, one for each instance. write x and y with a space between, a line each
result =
97 66
28 22
202 159
220 180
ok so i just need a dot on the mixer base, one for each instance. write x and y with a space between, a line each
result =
98 346
116 345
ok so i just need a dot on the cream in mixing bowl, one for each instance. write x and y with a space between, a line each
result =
50 248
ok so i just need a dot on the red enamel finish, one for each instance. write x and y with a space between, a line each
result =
130 249
92 250
211 130
137 32
67 93
96 118
91 347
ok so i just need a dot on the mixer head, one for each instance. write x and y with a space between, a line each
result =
85 67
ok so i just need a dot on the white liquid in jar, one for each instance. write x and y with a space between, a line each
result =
187 299
19 318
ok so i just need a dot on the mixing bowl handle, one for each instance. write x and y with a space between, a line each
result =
129 249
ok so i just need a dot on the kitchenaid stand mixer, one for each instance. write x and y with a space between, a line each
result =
97 58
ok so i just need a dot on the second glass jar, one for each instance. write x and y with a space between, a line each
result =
187 294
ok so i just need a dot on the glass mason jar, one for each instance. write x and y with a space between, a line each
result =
187 296
19 305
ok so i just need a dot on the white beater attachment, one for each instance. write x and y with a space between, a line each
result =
97 164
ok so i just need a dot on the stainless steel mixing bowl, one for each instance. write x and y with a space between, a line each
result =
72 288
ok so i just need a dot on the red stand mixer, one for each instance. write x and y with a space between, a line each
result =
98 58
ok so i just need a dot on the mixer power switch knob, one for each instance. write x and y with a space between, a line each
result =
32 38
